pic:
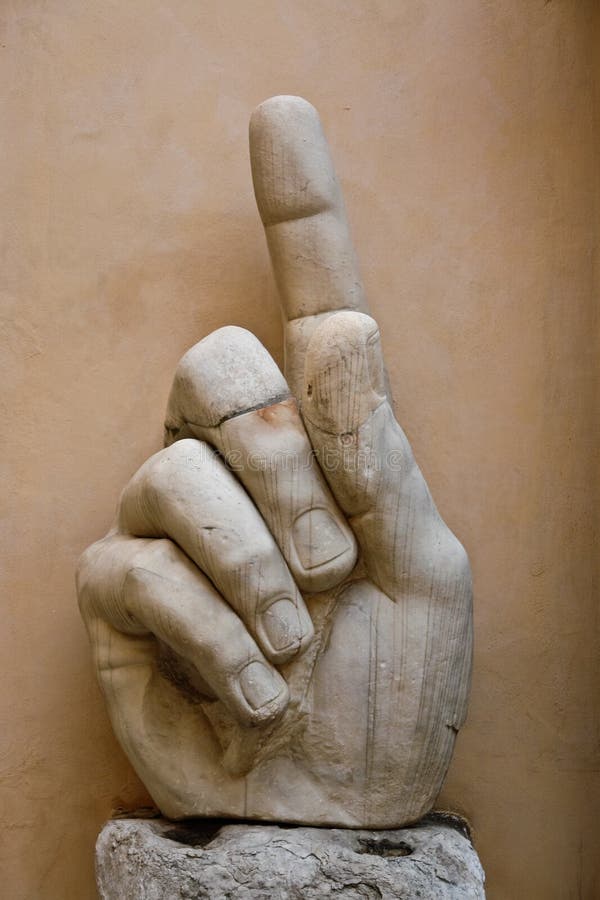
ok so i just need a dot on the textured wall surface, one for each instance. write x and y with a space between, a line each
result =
463 134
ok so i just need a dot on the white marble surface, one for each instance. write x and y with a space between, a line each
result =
280 619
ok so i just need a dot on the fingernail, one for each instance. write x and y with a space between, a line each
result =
318 538
283 624
260 685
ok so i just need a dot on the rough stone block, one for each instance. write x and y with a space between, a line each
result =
160 860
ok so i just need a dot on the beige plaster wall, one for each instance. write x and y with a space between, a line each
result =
463 133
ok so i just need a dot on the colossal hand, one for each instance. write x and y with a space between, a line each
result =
278 638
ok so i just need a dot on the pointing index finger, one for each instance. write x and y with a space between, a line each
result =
302 209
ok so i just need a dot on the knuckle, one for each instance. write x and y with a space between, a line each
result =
84 564
161 469
94 577
155 473
188 373
103 577
86 571
152 485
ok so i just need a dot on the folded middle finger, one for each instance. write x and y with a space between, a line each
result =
229 392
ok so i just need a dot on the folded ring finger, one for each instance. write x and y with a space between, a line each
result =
186 493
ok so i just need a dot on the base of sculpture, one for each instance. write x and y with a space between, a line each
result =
162 860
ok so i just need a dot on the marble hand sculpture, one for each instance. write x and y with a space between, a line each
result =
280 619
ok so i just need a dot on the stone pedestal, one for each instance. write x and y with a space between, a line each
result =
161 860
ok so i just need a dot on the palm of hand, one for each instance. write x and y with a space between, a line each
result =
251 666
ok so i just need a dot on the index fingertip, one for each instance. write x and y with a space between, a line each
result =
292 170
